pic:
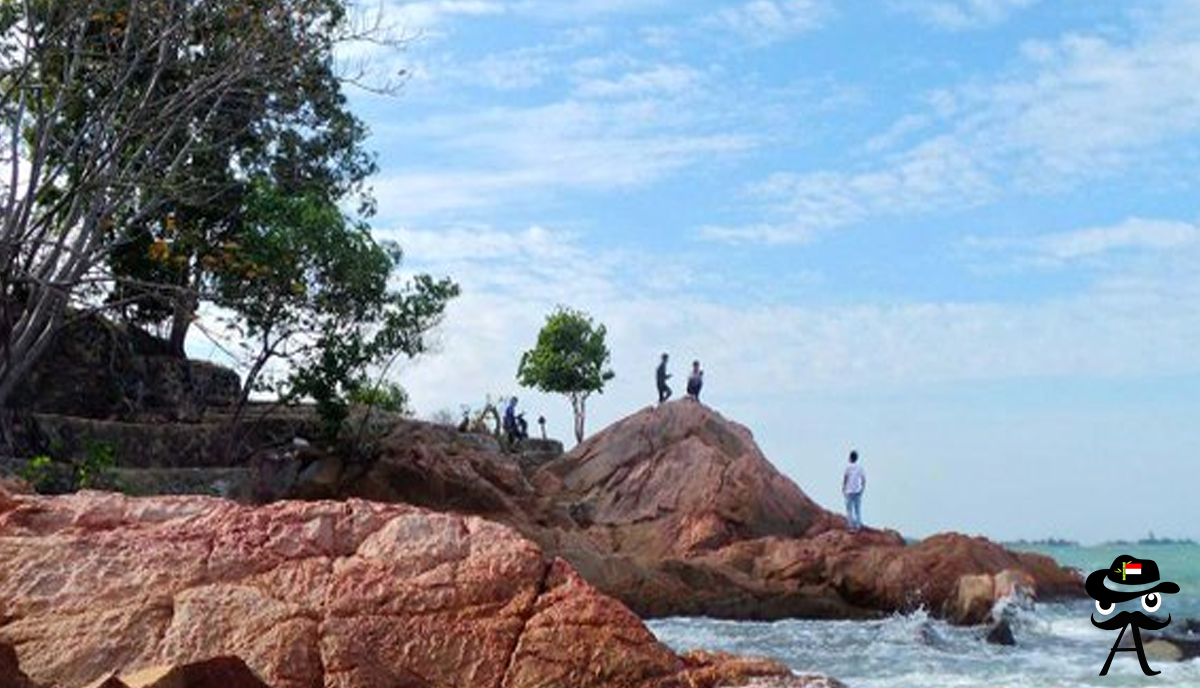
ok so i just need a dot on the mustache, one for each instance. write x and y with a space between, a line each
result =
1138 619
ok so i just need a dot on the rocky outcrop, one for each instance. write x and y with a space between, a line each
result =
328 594
218 672
684 499
97 369
11 675
679 479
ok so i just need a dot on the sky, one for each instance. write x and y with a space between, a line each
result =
959 236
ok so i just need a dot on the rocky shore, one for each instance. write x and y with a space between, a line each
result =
99 585
438 558
675 511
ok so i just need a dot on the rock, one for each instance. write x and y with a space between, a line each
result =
533 453
1171 647
219 672
978 597
675 511
151 443
11 675
718 669
972 599
320 479
681 478
9 489
101 370
703 524
1162 651
339 594
1000 633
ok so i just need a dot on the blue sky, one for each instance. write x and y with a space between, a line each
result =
958 235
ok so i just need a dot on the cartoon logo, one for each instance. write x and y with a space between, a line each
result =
1128 578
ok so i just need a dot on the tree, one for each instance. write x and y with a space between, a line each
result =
129 134
570 358
311 288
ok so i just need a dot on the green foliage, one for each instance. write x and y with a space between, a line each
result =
385 396
314 289
570 358
95 469
39 473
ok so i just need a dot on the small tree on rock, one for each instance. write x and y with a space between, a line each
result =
570 358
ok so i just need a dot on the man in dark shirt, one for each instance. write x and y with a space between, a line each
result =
660 376
695 382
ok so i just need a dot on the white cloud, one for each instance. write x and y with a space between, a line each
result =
1096 245
659 80
762 22
1135 233
937 174
1073 110
959 15
426 15
1137 322
516 154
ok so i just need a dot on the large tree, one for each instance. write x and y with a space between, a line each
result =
143 141
570 358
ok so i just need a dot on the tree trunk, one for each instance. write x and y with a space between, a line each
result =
578 406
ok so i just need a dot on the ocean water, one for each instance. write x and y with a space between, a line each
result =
1056 643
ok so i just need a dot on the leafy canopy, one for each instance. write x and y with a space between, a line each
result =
570 357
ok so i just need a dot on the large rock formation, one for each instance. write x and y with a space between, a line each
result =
97 369
353 594
674 510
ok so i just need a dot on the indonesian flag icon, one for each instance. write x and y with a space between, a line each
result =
1129 568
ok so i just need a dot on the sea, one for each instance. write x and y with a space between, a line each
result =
1056 644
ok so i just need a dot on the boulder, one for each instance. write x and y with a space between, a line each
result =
703 524
219 672
978 597
97 369
11 675
340 594
1000 633
1171 647
678 478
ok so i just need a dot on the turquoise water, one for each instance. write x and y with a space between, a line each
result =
1177 563
1056 644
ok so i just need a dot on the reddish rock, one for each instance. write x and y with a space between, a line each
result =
11 675
702 523
679 478
719 669
354 594
218 672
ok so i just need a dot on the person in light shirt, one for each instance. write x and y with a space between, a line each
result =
854 482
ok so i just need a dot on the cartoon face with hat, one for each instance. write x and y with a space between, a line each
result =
1127 579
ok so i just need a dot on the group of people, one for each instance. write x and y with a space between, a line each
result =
694 383
854 479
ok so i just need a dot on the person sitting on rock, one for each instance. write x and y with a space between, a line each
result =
661 375
515 426
695 382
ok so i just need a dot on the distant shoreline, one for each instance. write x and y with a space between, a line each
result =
1144 542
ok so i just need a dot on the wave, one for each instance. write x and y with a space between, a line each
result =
1056 647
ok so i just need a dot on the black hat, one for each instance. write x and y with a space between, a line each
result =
1126 570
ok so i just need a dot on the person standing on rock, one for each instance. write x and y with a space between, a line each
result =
695 382
660 376
854 482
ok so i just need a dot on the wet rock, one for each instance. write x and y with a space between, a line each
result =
1000 633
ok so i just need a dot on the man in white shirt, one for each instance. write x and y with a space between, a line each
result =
854 482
